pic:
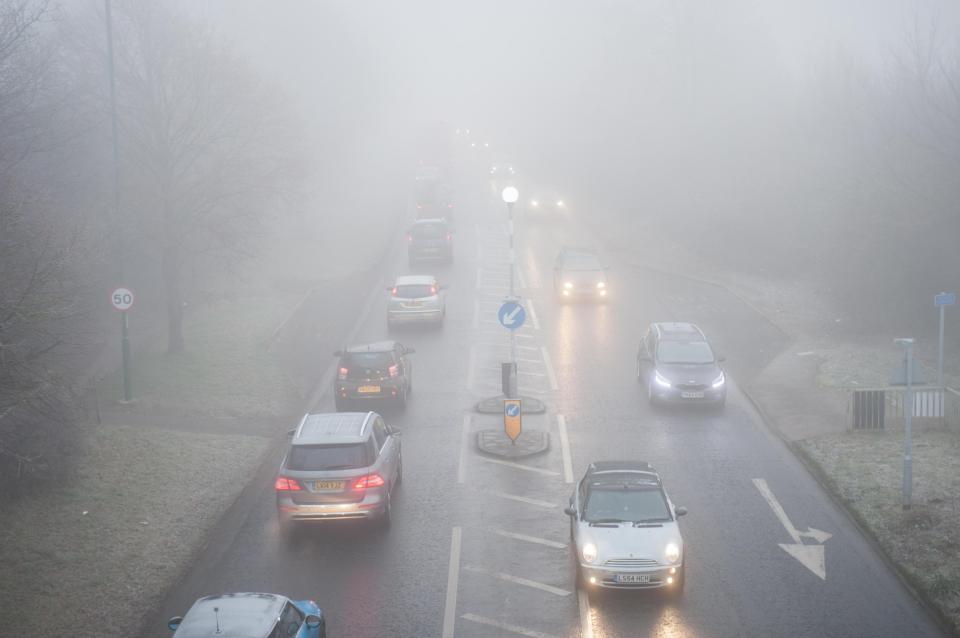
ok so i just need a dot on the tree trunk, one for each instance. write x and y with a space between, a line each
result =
170 266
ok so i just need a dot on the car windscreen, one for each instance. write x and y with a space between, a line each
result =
581 262
428 230
684 352
414 291
629 503
318 458
376 360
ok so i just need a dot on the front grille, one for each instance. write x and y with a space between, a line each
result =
694 387
631 562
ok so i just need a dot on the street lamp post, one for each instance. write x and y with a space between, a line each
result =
510 195
907 343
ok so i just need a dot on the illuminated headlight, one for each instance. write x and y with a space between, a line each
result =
589 552
660 379
566 293
568 285
560 203
719 381
534 203
603 293
672 552
601 284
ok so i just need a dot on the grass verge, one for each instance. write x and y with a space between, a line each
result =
88 557
865 471
226 368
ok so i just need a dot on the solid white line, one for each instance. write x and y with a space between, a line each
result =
549 366
510 578
565 449
520 279
471 365
464 437
586 622
526 499
479 278
521 466
475 324
533 314
777 509
529 539
453 580
515 629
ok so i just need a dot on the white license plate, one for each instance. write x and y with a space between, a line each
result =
633 578
692 395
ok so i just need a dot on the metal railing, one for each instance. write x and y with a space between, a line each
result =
878 408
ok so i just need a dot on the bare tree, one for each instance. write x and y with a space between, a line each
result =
206 147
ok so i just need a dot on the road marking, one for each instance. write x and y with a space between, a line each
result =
464 437
565 449
549 365
515 629
526 582
476 314
810 556
586 622
526 499
520 279
533 314
530 374
453 580
479 278
471 365
521 466
497 344
529 539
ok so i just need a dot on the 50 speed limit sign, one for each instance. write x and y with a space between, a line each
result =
122 299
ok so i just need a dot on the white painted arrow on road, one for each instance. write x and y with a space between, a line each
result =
810 556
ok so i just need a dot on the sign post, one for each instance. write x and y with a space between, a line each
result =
122 300
512 316
941 301
907 490
512 419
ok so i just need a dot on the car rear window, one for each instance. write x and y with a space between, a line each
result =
375 360
685 352
413 291
428 230
581 262
318 458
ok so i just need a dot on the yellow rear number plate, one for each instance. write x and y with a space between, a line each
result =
368 389
327 485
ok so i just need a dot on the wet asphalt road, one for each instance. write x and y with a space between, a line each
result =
479 548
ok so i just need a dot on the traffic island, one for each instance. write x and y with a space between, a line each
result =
495 442
494 405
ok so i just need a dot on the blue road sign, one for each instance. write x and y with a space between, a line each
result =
513 409
945 299
511 315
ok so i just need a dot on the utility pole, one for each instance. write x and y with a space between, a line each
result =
510 195
907 343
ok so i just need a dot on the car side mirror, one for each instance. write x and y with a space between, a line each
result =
569 511
392 431
174 623
407 350
444 287
680 511
338 353
314 621
721 359
389 288
291 432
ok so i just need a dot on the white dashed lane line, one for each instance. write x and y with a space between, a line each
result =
517 580
521 466
548 363
453 583
529 539
526 499
514 629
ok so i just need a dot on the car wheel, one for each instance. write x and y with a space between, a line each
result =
387 516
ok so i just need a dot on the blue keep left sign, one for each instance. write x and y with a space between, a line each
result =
511 315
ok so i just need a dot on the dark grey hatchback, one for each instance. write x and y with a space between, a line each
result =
678 365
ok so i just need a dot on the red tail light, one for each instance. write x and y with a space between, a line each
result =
394 370
368 481
343 372
449 205
433 290
419 205
286 484
394 291
449 236
410 238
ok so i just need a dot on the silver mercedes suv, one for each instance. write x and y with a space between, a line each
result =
342 465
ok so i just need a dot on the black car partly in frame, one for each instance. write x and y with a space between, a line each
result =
373 371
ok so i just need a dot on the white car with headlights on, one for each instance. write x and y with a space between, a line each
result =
624 529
